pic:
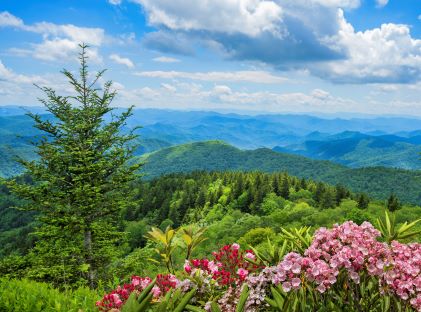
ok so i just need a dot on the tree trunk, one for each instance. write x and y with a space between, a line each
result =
89 258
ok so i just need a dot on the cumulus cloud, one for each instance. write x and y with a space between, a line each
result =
245 29
382 3
7 75
387 54
165 59
169 87
351 4
183 95
115 2
59 41
7 19
249 17
302 34
167 42
238 76
121 60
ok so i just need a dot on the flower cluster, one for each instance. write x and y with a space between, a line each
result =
116 299
229 266
404 277
347 252
348 247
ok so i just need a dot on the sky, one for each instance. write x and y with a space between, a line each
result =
272 56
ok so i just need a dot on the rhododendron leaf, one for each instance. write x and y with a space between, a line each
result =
194 309
145 303
271 302
187 239
409 235
405 227
388 223
185 300
243 298
277 296
146 291
131 303
176 295
215 307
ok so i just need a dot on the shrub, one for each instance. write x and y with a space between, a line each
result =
29 296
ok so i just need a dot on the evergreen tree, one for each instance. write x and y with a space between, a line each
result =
328 199
285 188
303 184
341 193
276 186
81 181
393 203
318 193
363 201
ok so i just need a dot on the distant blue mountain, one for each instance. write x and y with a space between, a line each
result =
355 142
356 149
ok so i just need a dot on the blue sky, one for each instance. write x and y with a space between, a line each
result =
324 56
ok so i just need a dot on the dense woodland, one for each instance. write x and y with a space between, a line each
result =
231 204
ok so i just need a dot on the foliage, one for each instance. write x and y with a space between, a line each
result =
377 182
80 182
29 296
165 242
344 268
390 232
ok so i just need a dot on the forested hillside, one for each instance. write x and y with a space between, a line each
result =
379 182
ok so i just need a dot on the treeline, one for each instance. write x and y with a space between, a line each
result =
183 198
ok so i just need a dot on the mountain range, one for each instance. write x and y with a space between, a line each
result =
352 142
378 182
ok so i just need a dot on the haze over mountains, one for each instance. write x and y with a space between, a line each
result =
354 142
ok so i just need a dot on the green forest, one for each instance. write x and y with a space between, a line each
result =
284 233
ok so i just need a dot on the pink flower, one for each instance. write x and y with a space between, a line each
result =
187 267
135 280
235 246
213 267
321 288
286 286
250 256
242 273
295 282
156 291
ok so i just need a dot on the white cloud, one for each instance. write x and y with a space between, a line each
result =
115 2
195 96
59 41
250 17
419 17
382 3
169 87
300 34
10 76
122 60
165 59
238 76
352 4
387 54
7 19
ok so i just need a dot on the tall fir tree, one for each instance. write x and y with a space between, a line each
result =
393 203
362 201
285 187
81 181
